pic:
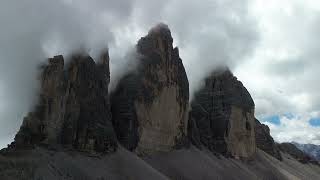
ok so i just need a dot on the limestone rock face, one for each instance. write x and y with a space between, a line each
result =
222 116
73 108
150 106
264 140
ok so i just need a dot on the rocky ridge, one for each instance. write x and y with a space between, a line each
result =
264 141
310 149
296 153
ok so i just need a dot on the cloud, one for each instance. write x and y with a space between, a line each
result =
271 46
282 75
209 33
296 128
212 34
33 30
286 61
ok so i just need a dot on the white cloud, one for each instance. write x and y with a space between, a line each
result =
282 75
33 30
209 33
272 46
296 128
283 69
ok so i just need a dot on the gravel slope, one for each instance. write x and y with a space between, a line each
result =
186 164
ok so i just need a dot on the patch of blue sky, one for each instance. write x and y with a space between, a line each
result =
275 119
314 121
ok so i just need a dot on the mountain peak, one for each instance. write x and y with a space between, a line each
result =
222 116
160 85
158 40
160 29
73 109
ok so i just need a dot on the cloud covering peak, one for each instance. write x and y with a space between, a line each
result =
271 46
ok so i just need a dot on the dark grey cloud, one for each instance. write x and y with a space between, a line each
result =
209 33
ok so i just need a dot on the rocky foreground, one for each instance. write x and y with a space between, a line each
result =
146 128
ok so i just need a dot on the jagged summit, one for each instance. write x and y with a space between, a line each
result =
159 27
158 40
73 109
160 30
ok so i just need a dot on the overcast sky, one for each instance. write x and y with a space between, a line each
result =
271 46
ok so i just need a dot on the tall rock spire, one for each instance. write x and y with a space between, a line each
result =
222 116
150 106
73 109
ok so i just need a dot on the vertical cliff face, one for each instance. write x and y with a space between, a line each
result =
150 106
264 140
222 116
73 108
